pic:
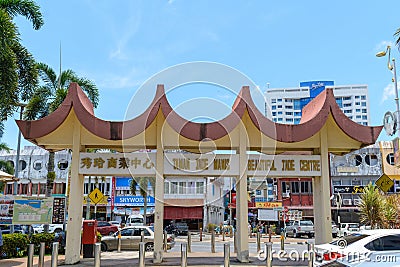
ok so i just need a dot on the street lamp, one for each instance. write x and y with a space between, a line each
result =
15 189
392 67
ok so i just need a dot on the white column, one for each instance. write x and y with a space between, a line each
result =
241 200
159 197
321 194
74 226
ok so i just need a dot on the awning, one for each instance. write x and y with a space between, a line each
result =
176 213
5 177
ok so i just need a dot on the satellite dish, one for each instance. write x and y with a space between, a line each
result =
390 123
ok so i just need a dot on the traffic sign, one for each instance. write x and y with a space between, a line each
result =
384 183
109 199
96 196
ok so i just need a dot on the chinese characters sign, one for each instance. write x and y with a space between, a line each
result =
117 164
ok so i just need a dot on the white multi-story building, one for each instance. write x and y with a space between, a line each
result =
284 105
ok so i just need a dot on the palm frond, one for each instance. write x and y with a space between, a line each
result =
90 88
29 9
4 146
397 36
48 75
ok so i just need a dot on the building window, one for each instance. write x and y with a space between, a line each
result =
22 165
199 187
364 110
62 164
364 117
279 106
363 97
166 187
273 107
279 100
390 158
280 112
273 100
274 113
295 187
364 104
191 188
305 187
358 110
289 113
42 189
9 189
336 182
37 165
174 187
357 97
59 188
347 105
347 98
182 188
289 120
356 160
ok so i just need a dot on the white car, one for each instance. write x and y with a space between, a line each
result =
364 249
53 228
348 228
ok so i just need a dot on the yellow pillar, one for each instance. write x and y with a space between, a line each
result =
241 200
159 197
321 194
73 245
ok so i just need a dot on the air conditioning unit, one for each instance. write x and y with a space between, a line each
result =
347 202
357 202
287 194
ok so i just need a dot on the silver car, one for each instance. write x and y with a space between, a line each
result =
130 239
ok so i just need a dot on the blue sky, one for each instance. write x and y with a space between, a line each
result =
121 44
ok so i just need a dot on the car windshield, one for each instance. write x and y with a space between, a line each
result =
307 223
349 239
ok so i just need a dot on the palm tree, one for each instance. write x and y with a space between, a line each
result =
143 183
18 76
371 206
48 96
5 166
397 36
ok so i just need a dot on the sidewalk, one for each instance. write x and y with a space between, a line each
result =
172 259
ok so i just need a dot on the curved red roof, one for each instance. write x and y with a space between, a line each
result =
314 117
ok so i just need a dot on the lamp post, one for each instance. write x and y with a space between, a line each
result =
392 67
15 189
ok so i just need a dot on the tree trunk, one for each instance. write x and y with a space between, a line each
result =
51 175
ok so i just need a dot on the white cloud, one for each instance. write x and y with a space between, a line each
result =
388 92
382 45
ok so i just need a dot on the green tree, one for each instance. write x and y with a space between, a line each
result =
18 75
143 183
372 206
48 96
391 211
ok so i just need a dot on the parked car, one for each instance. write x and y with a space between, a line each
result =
117 223
179 228
17 228
106 228
348 228
335 230
366 248
299 228
130 239
53 228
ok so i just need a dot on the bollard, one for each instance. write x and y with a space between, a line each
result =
311 254
141 254
268 249
282 241
165 241
223 234
97 257
31 250
41 254
258 241
184 255
234 242
119 242
213 241
54 255
142 236
227 253
201 234
189 244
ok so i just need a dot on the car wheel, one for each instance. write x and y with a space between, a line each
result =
111 233
58 230
334 235
104 246
149 247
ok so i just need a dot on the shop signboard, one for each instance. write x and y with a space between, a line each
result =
6 209
137 201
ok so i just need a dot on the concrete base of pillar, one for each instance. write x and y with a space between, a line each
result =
243 256
72 261
157 257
